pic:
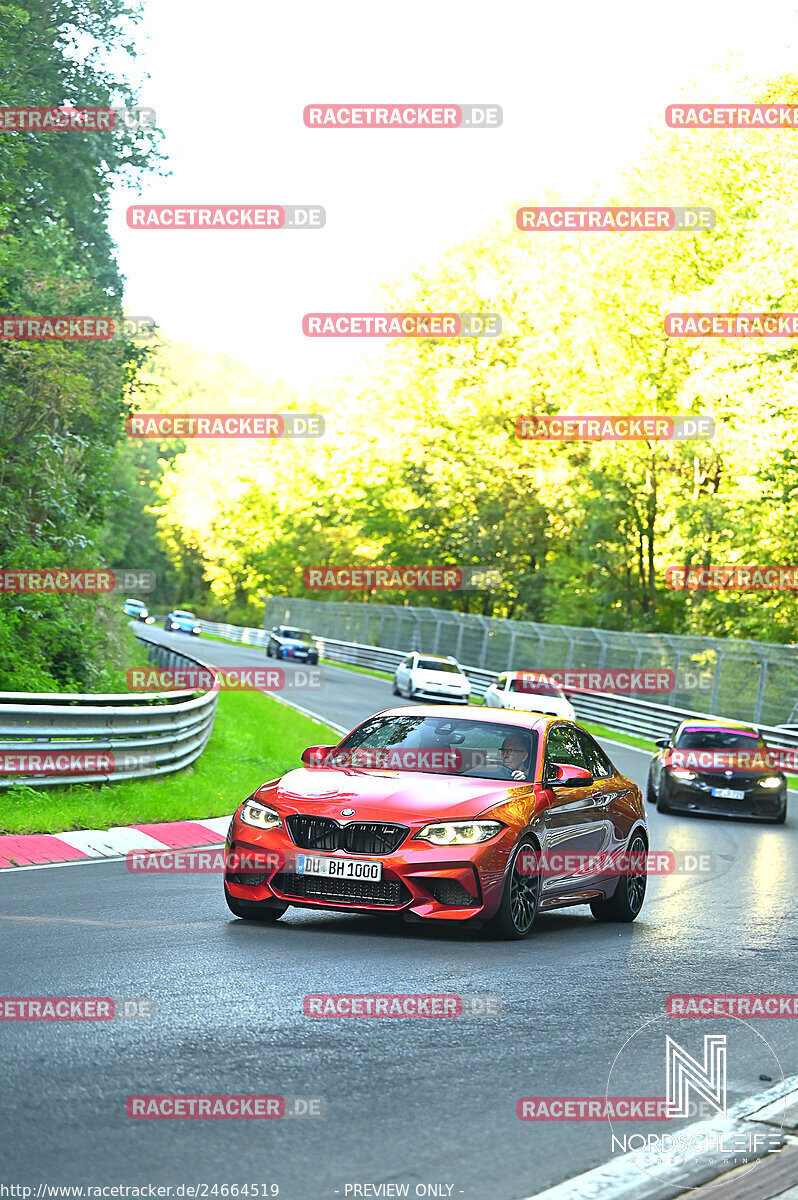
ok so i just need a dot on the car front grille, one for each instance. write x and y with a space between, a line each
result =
358 837
387 893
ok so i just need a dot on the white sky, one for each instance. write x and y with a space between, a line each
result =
580 83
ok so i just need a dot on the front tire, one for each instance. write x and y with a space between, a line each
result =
395 690
651 795
249 911
626 901
520 900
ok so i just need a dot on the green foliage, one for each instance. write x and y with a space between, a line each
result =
62 404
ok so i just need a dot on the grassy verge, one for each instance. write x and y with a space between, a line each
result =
254 738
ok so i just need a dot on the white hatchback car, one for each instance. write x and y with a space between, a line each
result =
434 678
530 691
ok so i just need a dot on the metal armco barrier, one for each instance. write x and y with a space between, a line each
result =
741 679
152 733
623 714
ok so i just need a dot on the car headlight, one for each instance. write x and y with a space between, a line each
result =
680 773
198 629
770 781
459 833
260 816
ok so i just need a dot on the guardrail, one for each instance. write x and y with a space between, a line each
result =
622 714
140 736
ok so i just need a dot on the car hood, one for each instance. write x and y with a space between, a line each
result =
439 676
383 795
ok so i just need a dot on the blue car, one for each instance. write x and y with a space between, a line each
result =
180 620
287 642
139 610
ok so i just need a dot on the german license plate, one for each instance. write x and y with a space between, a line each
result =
339 868
728 794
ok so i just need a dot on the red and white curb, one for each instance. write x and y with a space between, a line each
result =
20 851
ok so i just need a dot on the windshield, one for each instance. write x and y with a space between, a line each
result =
181 612
716 739
135 603
534 687
298 635
437 664
458 746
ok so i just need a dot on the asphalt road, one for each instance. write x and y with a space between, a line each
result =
420 1102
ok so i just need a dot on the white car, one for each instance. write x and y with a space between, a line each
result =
530 691
433 678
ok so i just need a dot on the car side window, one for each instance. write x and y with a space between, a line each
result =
596 760
563 747
407 662
501 682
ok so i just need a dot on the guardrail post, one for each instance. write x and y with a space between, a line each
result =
760 692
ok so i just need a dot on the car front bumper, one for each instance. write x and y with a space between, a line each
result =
757 803
439 882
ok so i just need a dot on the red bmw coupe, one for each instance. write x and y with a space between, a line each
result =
437 813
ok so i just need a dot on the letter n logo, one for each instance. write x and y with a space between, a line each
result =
707 1080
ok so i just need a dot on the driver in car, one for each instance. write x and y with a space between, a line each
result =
515 756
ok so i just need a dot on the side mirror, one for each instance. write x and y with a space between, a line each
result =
663 743
567 776
314 756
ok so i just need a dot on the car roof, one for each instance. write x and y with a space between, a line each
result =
131 600
718 724
492 716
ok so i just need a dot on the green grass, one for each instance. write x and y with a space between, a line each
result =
628 739
254 739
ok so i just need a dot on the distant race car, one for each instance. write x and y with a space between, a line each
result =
287 642
180 620
529 691
138 609
436 812
427 675
706 767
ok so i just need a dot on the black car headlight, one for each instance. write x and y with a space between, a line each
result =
771 781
